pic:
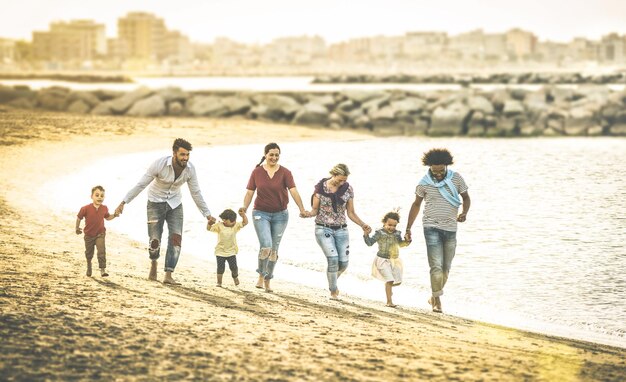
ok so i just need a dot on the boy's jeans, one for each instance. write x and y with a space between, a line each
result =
336 247
269 227
158 214
440 247
98 242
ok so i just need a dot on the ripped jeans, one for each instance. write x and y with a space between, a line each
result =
158 214
336 247
269 227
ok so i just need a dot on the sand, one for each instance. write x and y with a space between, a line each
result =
58 324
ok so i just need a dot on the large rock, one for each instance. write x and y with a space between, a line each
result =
87 97
8 94
409 105
278 107
153 106
54 98
513 108
175 108
480 103
592 93
580 119
236 105
448 120
121 104
103 108
362 96
327 100
373 105
79 107
173 94
312 114
107 95
209 106
23 103
559 95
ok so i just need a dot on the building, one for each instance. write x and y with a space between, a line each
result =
77 40
177 47
549 51
301 50
581 49
355 50
520 44
7 51
612 48
142 36
424 45
495 46
469 45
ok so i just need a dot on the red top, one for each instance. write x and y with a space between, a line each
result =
271 193
94 219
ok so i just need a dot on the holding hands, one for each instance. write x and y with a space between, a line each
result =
210 219
119 209
366 229
407 235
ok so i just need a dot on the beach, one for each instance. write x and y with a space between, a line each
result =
58 324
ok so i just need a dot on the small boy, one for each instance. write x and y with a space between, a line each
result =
94 215
226 248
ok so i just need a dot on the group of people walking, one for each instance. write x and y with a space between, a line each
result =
332 204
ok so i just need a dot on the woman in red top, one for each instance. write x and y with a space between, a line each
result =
271 182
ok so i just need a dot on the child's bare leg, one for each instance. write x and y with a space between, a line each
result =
219 279
388 292
259 283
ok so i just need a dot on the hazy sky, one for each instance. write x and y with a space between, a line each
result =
335 20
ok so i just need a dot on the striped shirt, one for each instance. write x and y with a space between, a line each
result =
438 212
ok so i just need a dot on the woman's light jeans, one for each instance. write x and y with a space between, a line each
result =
336 247
269 227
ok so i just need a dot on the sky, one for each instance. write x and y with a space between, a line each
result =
260 21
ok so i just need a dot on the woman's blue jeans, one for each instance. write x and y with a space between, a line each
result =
336 247
158 214
440 247
269 227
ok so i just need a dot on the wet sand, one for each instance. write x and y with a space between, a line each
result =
58 324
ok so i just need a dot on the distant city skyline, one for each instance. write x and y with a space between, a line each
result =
251 21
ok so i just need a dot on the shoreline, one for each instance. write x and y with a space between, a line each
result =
60 324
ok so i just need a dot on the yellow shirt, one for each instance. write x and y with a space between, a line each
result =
226 239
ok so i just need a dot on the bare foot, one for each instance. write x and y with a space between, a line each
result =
266 283
435 303
259 283
152 276
217 285
334 295
168 279
391 305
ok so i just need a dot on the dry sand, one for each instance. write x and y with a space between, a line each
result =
58 324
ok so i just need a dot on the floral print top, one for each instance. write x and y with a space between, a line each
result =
326 215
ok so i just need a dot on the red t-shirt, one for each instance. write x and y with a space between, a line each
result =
94 219
271 193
